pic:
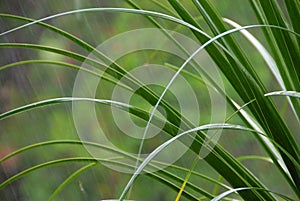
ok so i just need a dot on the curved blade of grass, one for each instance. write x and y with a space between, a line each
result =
169 175
242 158
54 162
64 64
58 63
285 50
61 161
115 68
226 193
159 4
45 48
165 144
174 40
268 146
185 63
63 52
75 142
268 59
223 195
288 49
294 94
263 109
172 176
234 105
196 159
125 10
293 8
169 127
60 100
69 179
69 36
66 53
279 147
55 142
145 92
255 157
188 184
259 11
271 149
239 109
175 187
189 60
262 50
88 46
186 179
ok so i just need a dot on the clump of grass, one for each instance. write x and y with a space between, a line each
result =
259 115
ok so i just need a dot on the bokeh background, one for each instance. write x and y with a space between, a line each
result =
25 84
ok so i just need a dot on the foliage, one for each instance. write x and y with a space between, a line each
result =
259 146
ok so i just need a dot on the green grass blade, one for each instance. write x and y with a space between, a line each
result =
263 110
215 22
54 162
284 93
60 100
65 142
289 51
117 73
201 48
169 128
262 50
69 179
145 92
186 179
165 144
293 10
124 10
164 173
63 64
226 193
45 48
61 32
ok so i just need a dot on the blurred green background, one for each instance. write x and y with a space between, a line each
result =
29 83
